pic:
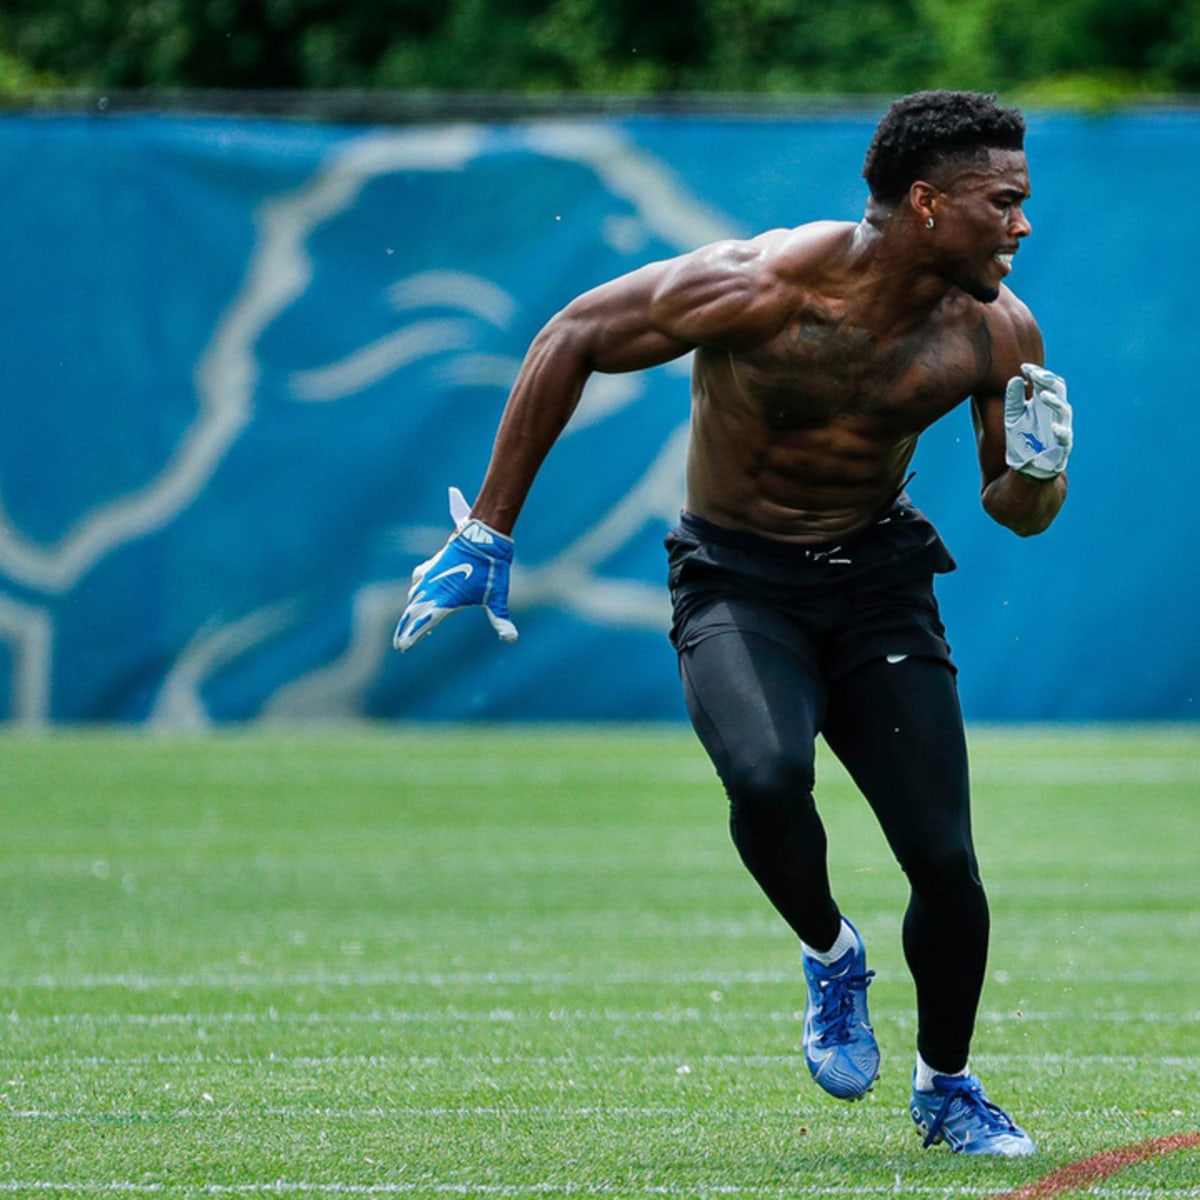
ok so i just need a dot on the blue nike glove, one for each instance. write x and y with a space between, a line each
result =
471 568
1037 428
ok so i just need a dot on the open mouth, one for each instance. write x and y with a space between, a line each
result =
1005 259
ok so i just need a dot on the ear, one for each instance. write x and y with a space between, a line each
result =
923 200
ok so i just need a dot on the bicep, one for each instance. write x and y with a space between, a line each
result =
987 414
616 326
1016 340
713 296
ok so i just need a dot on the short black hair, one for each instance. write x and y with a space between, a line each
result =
922 131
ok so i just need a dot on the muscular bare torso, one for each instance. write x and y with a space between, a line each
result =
820 354
807 434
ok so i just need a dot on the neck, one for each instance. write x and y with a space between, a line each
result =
900 283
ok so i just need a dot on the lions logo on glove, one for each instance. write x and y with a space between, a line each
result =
1037 423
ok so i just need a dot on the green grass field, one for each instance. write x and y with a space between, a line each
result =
526 962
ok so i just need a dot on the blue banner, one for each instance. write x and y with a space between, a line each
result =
245 359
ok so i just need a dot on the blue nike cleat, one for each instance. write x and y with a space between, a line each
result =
958 1113
839 1043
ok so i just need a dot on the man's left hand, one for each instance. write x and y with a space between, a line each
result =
1037 423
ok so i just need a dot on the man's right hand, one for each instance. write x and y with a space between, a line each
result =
471 568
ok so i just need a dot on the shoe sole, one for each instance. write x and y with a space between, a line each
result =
838 1095
923 1130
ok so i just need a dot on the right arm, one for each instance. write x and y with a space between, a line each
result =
717 295
724 295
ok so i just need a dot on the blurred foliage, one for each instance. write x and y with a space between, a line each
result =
1081 52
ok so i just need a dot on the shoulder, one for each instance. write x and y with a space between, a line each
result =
798 257
1014 332
1013 338
775 255
739 290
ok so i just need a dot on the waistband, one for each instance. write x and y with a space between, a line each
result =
756 543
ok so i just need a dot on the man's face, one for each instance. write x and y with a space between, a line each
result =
980 220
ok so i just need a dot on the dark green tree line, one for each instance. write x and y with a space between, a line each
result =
1069 49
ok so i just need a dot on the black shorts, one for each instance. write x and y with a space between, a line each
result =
838 604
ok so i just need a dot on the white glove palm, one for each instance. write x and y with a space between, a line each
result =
1037 427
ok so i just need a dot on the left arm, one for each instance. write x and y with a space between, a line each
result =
1023 500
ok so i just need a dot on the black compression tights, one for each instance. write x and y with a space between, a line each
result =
897 727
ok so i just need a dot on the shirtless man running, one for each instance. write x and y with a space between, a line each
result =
801 575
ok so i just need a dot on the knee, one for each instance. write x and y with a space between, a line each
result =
767 789
946 876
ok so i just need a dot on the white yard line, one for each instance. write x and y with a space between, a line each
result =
790 1189
577 1061
675 1016
557 979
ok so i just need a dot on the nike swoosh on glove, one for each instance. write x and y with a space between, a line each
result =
471 568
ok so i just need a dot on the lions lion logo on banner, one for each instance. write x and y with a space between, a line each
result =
358 370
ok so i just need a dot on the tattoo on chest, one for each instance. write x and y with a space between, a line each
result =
821 367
